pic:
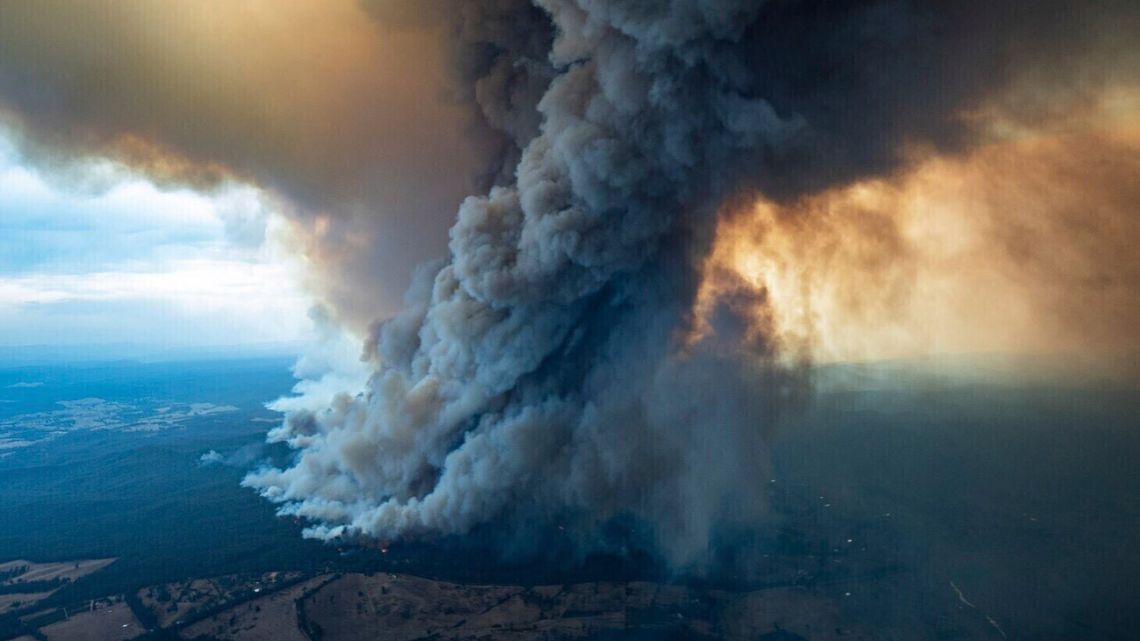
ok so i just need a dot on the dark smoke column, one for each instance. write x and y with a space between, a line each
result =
540 371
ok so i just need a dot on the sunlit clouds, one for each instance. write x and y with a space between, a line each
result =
129 262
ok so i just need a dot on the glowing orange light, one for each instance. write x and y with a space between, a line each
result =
1021 245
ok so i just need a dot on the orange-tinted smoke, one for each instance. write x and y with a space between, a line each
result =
1029 243
314 101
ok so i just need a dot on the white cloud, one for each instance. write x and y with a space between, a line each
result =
135 263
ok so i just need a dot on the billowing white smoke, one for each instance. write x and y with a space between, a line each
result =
541 371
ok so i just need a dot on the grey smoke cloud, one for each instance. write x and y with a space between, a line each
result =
242 457
538 371
498 68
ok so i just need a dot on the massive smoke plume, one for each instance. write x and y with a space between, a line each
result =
541 370
548 369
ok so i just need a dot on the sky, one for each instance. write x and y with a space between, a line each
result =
126 261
